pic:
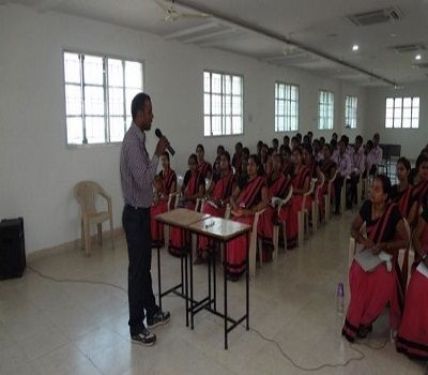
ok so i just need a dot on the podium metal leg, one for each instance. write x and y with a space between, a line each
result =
247 285
159 279
225 295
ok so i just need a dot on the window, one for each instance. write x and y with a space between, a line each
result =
223 104
402 113
98 95
326 110
351 110
286 107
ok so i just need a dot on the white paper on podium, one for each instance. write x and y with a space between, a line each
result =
423 269
368 261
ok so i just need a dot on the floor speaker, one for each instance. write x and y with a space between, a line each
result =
12 248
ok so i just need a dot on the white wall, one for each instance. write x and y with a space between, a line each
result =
412 140
37 171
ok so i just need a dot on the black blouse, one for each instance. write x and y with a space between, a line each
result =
390 228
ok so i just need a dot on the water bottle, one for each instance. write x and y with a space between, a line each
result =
340 299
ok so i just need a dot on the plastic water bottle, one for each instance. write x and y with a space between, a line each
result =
340 299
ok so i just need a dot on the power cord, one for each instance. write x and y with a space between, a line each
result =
283 353
76 281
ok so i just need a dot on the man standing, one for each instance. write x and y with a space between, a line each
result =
344 169
358 167
137 172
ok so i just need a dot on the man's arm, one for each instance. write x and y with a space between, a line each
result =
141 168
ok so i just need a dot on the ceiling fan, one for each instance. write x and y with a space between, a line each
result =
172 14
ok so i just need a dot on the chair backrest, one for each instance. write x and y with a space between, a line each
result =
408 230
286 199
85 193
321 182
353 245
228 211
180 180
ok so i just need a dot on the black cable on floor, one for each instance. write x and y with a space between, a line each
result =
261 335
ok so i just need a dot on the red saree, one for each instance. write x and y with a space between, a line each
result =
161 206
277 188
412 338
236 252
403 199
205 168
326 167
191 184
289 214
222 191
237 163
372 291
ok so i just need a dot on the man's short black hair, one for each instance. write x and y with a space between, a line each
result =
138 103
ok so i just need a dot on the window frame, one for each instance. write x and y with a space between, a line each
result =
401 118
350 108
319 109
291 84
222 73
105 86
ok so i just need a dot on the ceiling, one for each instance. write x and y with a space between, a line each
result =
315 25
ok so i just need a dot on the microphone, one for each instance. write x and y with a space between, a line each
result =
159 134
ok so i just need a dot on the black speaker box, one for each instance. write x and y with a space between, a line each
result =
12 248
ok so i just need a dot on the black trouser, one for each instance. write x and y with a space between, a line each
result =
136 223
353 191
338 184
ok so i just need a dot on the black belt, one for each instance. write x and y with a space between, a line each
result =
135 208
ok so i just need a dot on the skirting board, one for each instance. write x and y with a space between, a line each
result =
73 245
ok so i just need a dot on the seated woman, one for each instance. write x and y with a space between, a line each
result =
288 166
165 184
309 160
218 197
327 166
278 186
192 189
246 200
412 338
401 193
420 187
301 184
237 158
216 165
373 289
204 168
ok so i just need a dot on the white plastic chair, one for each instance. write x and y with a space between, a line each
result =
85 193
173 197
327 198
276 227
255 250
316 204
303 214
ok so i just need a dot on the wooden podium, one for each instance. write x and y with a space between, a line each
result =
221 231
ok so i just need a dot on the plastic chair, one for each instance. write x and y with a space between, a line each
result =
85 193
255 250
277 225
327 198
303 214
173 200
316 202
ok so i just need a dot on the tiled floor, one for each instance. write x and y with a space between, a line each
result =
57 328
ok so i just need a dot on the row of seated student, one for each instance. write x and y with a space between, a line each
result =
230 183
248 182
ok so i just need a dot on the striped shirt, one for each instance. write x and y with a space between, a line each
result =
137 170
